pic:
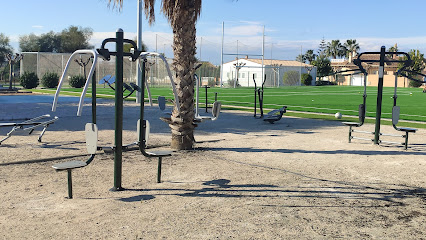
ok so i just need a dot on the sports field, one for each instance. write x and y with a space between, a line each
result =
318 99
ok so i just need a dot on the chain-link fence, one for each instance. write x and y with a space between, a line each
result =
41 63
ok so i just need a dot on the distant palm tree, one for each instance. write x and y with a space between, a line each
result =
182 16
310 56
393 49
335 49
351 47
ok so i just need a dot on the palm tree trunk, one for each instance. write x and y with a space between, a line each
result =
184 49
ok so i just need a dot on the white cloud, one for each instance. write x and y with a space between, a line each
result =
37 26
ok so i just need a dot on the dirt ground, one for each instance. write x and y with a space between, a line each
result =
245 179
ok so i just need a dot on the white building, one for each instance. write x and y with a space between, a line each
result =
277 72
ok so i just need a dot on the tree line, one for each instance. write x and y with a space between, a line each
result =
66 41
335 49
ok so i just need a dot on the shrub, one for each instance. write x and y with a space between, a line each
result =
291 78
50 80
77 81
29 80
306 79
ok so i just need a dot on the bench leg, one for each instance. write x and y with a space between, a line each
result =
42 133
350 133
406 140
159 170
69 184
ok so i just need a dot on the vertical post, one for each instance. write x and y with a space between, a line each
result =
94 97
118 111
221 56
142 123
139 45
69 183
10 73
206 98
379 96
263 51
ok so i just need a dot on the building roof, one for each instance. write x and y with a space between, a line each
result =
269 62
345 63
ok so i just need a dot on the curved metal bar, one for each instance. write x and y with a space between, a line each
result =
143 55
61 81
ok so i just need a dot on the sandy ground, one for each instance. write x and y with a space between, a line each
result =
245 179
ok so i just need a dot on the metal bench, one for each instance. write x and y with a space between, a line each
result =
91 144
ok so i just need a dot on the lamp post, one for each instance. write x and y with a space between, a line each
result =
238 66
12 60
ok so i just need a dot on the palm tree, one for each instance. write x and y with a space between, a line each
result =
351 47
310 56
182 16
335 49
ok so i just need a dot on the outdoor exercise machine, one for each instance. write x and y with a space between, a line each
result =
404 62
272 116
258 93
110 80
29 126
216 105
275 115
91 129
396 109
361 107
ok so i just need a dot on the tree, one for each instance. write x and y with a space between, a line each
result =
322 47
29 43
351 47
182 16
301 58
49 42
335 49
323 65
5 48
310 56
74 38
393 49
417 65
128 46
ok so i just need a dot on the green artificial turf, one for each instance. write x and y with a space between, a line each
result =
316 99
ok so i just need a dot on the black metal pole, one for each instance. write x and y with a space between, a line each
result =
118 111
379 96
206 98
10 74
94 97
142 124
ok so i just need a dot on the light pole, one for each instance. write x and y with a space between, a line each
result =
12 60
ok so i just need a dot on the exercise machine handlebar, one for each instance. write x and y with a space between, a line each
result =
86 85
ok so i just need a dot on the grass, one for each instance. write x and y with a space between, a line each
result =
302 100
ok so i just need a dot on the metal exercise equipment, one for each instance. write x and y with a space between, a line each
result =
258 93
275 115
216 105
29 126
361 107
142 134
405 63
118 145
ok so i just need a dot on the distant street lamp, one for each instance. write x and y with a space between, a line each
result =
238 66
12 60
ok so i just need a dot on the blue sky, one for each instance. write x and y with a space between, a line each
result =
291 27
